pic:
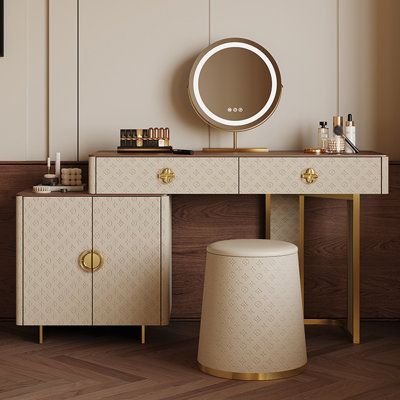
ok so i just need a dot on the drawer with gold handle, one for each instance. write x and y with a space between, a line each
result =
166 175
344 174
309 176
90 261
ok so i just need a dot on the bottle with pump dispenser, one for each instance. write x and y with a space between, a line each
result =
350 132
323 135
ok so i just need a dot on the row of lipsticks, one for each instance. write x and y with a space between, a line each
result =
151 137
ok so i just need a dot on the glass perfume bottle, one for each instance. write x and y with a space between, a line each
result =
323 135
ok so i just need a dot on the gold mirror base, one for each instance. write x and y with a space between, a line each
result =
235 150
252 376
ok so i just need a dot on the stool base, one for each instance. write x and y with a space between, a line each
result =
252 376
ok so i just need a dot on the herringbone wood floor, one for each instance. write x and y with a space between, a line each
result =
109 363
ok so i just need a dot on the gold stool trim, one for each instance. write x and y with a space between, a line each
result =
252 376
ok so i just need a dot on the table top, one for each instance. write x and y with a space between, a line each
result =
294 153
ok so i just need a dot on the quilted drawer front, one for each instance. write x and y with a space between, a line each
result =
165 175
325 175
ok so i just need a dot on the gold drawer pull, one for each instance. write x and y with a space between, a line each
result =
166 175
310 176
90 261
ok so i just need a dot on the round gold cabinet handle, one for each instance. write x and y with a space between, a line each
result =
166 175
309 176
90 261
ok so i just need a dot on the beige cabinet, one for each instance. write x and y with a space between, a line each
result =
131 235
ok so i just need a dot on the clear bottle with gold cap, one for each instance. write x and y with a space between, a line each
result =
323 135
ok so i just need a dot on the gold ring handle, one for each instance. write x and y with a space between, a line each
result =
166 175
90 261
309 176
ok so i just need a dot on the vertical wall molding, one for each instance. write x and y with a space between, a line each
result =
338 57
63 79
77 78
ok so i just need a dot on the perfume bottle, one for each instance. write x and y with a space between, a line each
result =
350 132
323 135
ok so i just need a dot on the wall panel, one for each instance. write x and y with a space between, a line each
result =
301 35
358 79
135 58
369 63
23 81
63 78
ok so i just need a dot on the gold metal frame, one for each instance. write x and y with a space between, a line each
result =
224 127
352 324
251 376
229 128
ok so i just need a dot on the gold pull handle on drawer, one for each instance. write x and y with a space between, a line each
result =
166 175
90 261
310 176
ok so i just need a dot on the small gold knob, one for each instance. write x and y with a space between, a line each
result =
166 175
310 176
90 261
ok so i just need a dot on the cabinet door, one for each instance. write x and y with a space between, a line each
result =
56 291
126 232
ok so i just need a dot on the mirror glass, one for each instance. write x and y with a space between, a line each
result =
235 84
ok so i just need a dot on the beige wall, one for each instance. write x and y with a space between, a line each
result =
23 81
124 63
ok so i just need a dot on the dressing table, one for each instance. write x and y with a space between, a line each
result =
123 228
104 257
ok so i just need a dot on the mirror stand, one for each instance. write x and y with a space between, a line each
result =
235 148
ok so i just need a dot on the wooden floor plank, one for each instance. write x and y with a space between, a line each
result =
110 363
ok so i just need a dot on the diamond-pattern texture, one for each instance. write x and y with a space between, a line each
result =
193 175
285 218
126 289
336 175
56 290
252 317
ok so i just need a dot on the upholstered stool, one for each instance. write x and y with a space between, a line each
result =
252 325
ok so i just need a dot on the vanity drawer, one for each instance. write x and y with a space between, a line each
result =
332 175
150 175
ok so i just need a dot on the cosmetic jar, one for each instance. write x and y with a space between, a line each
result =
50 180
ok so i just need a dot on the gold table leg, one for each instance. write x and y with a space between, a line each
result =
352 325
143 334
301 246
41 334
267 216
353 265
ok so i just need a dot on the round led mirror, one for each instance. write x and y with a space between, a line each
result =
235 84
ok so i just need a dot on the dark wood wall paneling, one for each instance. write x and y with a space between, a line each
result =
199 220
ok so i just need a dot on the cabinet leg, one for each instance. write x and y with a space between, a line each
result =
143 336
40 334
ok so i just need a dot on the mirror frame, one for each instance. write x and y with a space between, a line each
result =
234 125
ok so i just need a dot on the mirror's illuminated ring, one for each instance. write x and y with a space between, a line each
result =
207 111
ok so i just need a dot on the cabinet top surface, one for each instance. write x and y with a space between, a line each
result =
294 153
